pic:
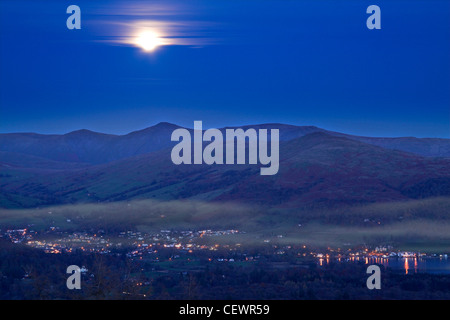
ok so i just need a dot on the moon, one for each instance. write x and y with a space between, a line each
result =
148 41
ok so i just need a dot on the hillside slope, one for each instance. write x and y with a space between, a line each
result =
316 169
94 148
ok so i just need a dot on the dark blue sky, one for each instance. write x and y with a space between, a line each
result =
233 63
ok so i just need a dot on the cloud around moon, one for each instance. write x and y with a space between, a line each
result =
170 25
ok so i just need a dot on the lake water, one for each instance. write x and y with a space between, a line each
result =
434 265
419 265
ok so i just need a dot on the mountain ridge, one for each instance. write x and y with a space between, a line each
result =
315 169
89 147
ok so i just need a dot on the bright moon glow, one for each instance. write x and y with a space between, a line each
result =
148 41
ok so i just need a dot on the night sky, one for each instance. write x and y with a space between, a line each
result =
227 62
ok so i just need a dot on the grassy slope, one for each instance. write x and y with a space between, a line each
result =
315 169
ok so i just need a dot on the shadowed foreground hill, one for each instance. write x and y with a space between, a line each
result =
316 169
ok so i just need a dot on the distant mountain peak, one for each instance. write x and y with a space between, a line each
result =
81 132
161 126
165 124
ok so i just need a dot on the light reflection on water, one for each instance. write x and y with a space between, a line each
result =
413 265
409 265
